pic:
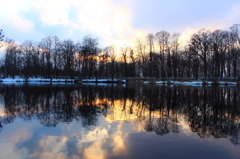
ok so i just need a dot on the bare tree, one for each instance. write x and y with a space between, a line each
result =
199 45
142 57
236 47
111 53
124 52
133 63
56 55
28 55
68 48
150 41
12 59
163 38
46 45
175 51
89 50
236 30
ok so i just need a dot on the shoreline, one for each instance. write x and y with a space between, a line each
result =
35 80
181 82
177 82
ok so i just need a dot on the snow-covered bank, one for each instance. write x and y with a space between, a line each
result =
103 81
190 83
161 82
196 83
32 80
122 81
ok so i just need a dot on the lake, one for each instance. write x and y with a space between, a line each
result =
118 121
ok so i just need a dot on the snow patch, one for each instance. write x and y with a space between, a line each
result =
32 80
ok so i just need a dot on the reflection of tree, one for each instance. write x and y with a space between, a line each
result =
161 100
216 114
209 111
235 134
89 115
49 105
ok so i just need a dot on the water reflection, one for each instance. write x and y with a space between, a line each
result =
110 114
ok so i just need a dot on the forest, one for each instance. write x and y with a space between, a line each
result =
208 54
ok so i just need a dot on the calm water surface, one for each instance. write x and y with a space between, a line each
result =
111 121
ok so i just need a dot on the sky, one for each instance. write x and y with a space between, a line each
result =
113 21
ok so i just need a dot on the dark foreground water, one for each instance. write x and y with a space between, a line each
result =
110 121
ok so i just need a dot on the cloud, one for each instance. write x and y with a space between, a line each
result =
223 23
76 18
22 24
11 15
103 18
111 21
53 12
15 24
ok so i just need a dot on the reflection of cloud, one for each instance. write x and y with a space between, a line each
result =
127 110
115 145
97 134
20 135
118 144
52 147
95 151
9 142
184 125
120 111
2 112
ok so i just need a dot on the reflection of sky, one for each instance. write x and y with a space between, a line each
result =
109 139
121 134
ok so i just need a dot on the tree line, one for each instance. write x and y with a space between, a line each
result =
208 54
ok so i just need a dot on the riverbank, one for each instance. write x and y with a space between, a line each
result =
33 80
162 82
182 82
